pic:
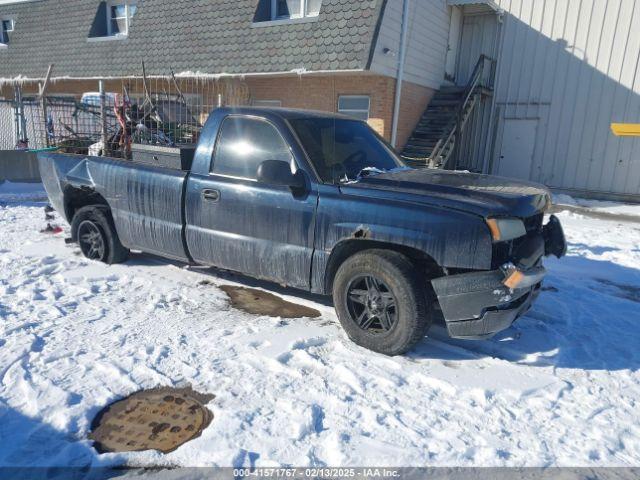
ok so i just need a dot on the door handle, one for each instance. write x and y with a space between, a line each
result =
211 195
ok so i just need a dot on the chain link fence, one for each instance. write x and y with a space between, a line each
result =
21 125
57 122
8 137
166 111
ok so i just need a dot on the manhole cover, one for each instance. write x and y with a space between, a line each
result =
159 419
258 302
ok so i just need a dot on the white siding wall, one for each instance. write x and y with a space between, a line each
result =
427 41
573 65
480 36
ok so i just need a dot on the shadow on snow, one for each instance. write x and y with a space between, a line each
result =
588 317
31 449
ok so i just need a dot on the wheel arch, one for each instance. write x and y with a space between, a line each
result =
423 262
100 215
77 198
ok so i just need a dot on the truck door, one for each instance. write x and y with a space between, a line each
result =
237 223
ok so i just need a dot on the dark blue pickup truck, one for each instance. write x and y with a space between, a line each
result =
320 202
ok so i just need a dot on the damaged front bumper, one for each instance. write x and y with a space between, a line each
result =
478 305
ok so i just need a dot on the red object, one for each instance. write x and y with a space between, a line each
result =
53 230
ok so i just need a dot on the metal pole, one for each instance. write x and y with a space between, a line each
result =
43 103
17 123
45 117
103 117
400 79
21 121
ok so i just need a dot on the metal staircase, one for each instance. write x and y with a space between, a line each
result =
435 139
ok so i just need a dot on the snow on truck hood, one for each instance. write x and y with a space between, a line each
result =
483 195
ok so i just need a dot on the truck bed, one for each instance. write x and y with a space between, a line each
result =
147 202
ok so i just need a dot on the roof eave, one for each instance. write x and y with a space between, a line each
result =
491 6
190 75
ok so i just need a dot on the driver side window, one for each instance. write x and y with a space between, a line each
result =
244 143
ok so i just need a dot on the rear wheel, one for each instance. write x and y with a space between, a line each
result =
92 241
381 301
92 227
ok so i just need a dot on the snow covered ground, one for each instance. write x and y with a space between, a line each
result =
598 206
561 387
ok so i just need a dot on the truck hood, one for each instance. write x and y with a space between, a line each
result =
484 195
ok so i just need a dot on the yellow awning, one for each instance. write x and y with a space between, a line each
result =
626 129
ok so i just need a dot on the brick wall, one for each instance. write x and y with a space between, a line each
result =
63 87
413 103
321 93
304 91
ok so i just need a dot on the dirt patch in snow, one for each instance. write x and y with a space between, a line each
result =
258 302
159 419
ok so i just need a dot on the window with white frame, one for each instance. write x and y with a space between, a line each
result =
356 106
282 9
119 16
7 25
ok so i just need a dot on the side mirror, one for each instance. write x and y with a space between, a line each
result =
278 173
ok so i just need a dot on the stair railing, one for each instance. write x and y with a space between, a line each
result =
444 150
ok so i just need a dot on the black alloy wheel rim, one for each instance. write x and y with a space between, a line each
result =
91 240
371 304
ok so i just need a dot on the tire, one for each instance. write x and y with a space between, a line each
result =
93 228
394 321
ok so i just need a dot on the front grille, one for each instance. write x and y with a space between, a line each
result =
503 251
534 224
501 254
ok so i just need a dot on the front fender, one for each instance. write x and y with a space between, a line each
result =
451 238
447 244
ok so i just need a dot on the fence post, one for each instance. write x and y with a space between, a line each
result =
21 121
16 118
45 117
103 118
43 104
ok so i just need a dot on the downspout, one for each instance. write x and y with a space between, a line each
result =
402 55
490 145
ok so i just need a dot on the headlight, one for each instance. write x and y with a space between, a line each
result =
504 229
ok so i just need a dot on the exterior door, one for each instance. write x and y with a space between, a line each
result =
518 144
237 223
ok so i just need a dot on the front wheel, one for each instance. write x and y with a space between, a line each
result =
92 227
381 301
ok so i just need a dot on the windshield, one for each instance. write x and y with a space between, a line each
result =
343 150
